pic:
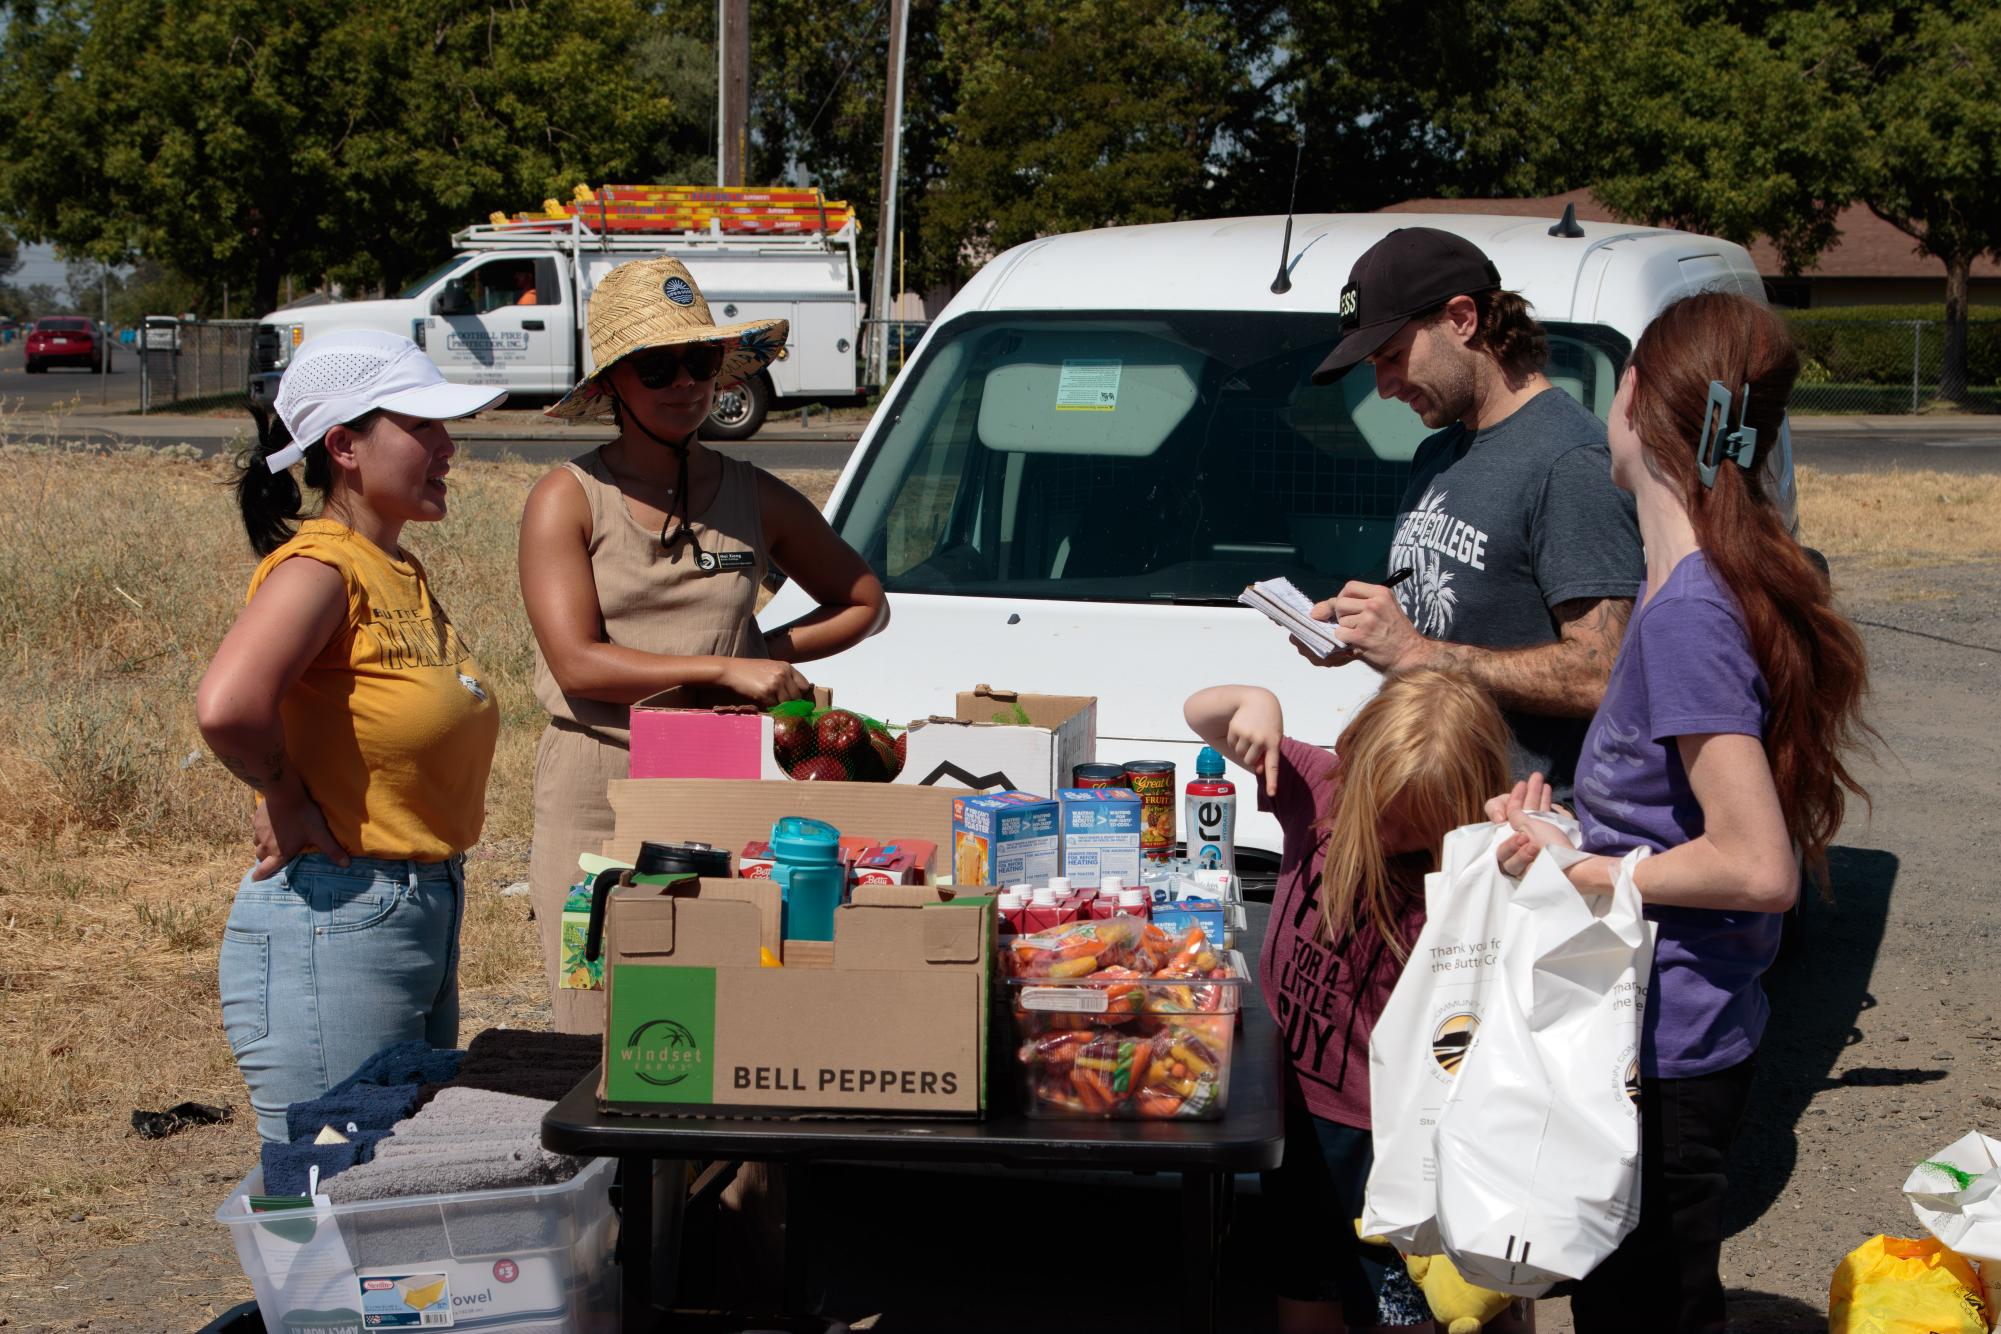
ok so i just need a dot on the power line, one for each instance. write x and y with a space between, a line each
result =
827 101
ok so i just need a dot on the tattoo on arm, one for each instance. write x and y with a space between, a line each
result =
1565 679
261 776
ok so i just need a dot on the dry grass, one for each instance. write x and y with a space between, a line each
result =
1899 520
122 840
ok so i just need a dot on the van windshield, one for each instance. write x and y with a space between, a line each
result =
1146 457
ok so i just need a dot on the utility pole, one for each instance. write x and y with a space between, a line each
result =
892 158
732 90
104 335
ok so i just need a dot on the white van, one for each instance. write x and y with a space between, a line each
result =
507 309
1107 435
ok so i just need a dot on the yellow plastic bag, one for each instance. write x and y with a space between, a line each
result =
1894 1285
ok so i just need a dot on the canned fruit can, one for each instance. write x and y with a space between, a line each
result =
1154 781
1098 775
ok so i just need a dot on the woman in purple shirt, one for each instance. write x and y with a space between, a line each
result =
1719 746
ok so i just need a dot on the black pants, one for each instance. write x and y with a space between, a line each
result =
1663 1276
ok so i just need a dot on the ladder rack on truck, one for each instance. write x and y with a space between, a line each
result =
575 235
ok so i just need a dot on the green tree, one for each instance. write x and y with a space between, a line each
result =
1080 113
1926 81
243 142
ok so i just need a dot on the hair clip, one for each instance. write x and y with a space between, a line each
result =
1720 440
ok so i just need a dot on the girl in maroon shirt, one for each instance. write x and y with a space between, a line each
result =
1361 831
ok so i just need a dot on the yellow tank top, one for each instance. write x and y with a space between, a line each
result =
392 727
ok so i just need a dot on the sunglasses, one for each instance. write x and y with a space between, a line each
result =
661 366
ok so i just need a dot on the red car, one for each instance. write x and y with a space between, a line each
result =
67 340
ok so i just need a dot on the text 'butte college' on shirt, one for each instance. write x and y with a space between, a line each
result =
1501 526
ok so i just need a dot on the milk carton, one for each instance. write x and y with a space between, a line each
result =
1101 834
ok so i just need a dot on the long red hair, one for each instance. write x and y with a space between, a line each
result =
1812 658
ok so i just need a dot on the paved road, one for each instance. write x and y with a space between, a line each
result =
59 386
1960 445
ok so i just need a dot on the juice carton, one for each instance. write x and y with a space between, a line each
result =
1101 834
1179 916
1003 837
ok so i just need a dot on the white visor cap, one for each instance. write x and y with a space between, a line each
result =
338 377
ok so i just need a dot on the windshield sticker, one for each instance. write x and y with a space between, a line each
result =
1088 386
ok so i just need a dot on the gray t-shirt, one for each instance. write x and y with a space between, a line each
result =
1502 525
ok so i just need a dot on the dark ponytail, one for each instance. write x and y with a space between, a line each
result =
270 501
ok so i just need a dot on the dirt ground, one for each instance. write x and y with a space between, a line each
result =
1884 1045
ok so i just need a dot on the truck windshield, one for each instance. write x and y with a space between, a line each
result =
423 284
1146 457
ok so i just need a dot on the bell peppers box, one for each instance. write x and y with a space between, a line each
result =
1004 838
1101 834
1003 740
699 732
891 1020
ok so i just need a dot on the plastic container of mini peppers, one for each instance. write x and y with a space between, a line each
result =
1119 1020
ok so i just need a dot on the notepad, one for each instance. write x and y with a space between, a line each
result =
1292 611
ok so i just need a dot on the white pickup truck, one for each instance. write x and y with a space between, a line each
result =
508 307
1107 435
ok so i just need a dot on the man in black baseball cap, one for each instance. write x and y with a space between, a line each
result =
1412 271
1522 558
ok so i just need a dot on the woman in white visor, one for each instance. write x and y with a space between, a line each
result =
346 699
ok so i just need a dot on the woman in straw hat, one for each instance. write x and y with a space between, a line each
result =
641 563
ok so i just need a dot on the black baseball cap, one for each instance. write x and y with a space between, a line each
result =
1408 272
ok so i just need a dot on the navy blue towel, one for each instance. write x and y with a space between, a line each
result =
413 1062
365 1106
287 1166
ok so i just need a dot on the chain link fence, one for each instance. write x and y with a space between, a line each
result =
1890 366
193 361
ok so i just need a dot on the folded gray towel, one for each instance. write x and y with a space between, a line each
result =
502 1164
458 1113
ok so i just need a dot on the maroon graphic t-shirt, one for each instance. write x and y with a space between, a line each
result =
1325 997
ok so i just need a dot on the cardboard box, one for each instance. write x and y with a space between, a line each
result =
1003 740
730 814
697 732
1004 838
890 1018
1101 833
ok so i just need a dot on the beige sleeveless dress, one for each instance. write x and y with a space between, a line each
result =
655 601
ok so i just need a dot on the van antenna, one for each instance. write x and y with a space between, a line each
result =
1567 226
1283 283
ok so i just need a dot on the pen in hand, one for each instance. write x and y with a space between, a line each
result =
1398 577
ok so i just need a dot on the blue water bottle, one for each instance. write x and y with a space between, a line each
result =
806 864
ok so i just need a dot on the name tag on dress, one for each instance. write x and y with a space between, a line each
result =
708 562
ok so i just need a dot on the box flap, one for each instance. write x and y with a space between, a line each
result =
897 938
953 934
650 911
729 814
913 896
985 704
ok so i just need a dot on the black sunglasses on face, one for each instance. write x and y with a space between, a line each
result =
660 367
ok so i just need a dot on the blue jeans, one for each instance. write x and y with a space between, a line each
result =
322 966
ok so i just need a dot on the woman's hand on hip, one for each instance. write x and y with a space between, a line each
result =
285 826
764 680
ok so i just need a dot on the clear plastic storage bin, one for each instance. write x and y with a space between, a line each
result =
1113 1044
537 1260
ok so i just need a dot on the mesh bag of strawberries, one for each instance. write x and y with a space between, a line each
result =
817 745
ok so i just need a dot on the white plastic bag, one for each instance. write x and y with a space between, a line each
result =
1539 1143
1422 1034
1956 1194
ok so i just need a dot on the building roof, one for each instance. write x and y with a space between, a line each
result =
1866 247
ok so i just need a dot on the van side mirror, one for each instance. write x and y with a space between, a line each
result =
452 299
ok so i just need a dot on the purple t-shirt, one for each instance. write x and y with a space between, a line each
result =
1685 668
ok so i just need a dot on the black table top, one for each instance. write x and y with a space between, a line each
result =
1248 1137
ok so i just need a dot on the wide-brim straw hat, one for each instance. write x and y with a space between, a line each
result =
652 303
